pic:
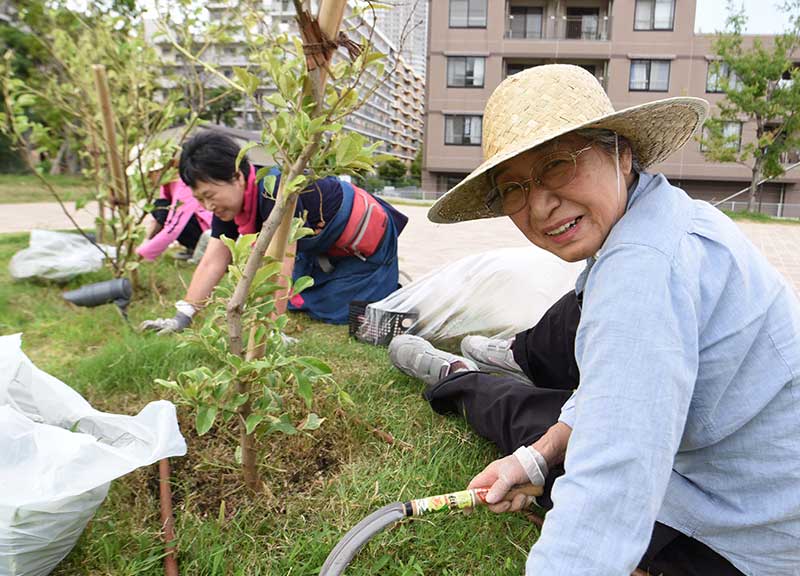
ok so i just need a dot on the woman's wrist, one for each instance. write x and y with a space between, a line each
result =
553 445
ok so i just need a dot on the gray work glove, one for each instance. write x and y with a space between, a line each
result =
178 323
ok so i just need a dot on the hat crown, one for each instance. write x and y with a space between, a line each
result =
540 102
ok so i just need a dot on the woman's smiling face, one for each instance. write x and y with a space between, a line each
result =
224 199
571 221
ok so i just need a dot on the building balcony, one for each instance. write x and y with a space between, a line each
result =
598 68
790 157
558 20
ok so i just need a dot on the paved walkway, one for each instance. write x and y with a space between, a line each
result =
425 246
43 216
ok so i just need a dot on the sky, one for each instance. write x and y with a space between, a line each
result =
763 16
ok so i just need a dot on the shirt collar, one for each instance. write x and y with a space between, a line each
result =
634 191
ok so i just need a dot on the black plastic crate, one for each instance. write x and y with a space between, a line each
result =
377 327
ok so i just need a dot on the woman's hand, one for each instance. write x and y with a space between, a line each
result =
500 476
503 474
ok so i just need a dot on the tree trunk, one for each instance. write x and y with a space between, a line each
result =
58 162
272 240
756 176
247 443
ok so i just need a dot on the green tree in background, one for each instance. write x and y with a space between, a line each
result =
220 106
415 170
58 106
392 171
761 86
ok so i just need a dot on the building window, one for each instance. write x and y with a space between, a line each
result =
731 132
649 76
716 72
582 23
468 13
450 181
654 15
517 67
524 22
463 130
465 71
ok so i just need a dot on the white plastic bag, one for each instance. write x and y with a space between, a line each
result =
58 456
496 293
57 256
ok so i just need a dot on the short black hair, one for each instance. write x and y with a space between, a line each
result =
210 156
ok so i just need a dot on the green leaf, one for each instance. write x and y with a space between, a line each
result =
221 515
229 243
238 400
301 284
317 125
345 398
277 100
281 322
252 422
269 185
266 272
282 425
205 419
304 388
26 100
248 81
317 365
243 151
299 230
171 384
311 422
296 183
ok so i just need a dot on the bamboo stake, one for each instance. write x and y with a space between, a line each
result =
331 13
114 162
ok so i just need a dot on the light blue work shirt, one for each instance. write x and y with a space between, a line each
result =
688 410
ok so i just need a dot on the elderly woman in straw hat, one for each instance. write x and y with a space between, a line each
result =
680 446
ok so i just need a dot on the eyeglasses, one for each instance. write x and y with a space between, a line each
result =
555 171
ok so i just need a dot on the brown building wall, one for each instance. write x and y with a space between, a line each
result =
688 55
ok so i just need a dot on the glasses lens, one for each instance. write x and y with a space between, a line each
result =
513 198
506 199
557 170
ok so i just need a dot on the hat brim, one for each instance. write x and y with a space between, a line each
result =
655 130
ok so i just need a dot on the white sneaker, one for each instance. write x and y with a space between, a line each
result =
492 355
418 358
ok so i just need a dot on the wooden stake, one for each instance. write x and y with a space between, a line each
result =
167 521
118 196
331 13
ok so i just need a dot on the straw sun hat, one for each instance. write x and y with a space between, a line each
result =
537 105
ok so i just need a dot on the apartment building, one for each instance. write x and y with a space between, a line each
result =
393 115
639 50
405 23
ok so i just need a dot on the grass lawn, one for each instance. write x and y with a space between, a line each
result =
758 217
18 188
322 484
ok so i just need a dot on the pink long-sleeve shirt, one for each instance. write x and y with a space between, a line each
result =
183 206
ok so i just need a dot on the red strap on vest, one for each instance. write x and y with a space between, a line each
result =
365 227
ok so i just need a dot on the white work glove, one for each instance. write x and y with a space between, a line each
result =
178 323
525 465
288 340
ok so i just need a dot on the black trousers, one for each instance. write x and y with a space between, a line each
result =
512 413
190 234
